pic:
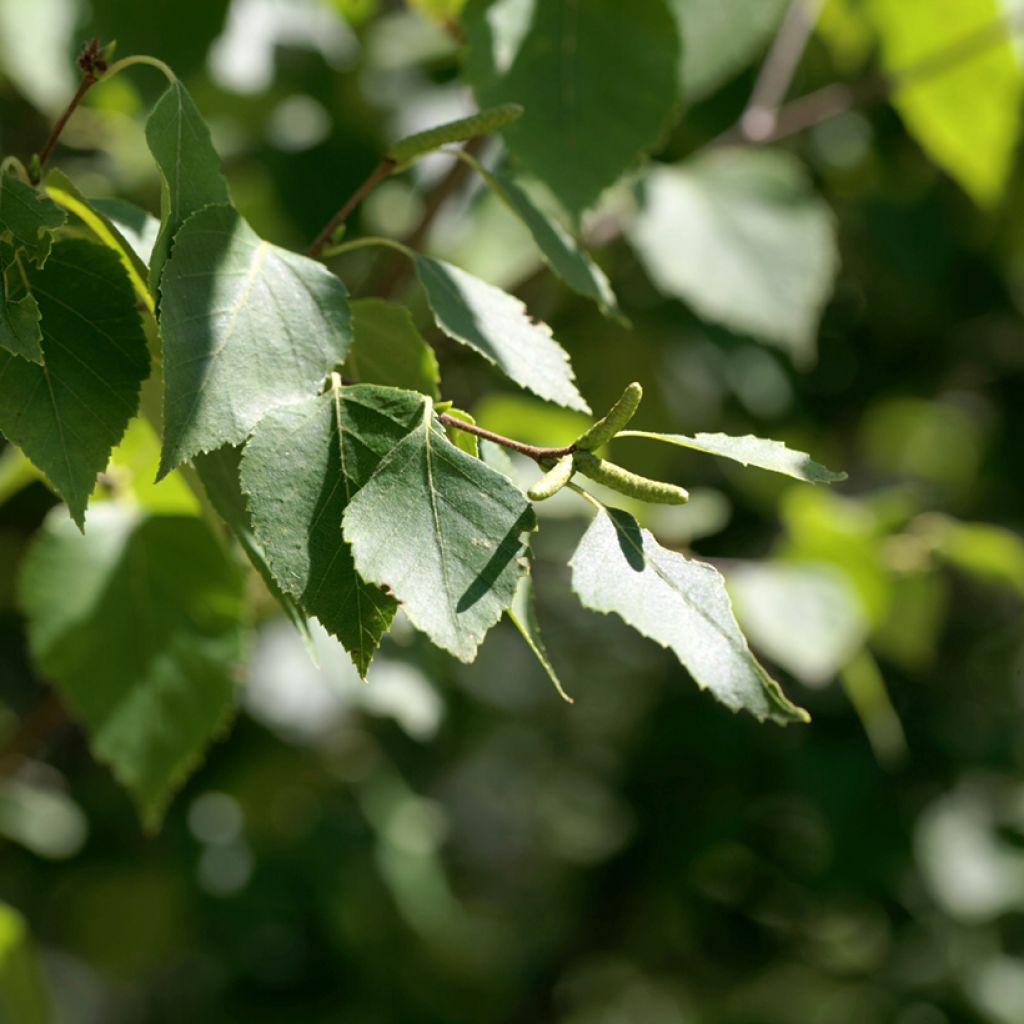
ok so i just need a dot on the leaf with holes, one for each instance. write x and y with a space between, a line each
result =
246 326
68 413
300 470
444 532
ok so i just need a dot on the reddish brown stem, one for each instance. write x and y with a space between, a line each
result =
87 82
535 452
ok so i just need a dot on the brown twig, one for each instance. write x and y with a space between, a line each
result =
376 176
839 98
535 452
779 67
92 65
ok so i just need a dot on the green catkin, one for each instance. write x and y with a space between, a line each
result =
631 484
404 151
613 421
553 480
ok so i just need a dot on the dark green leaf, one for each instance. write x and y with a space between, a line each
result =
189 167
389 350
300 470
246 326
138 623
598 82
444 532
68 413
28 218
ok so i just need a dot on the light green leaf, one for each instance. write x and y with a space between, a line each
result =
246 326
720 38
23 998
966 117
189 167
739 236
68 414
844 29
750 451
497 325
218 472
300 470
138 623
680 604
560 250
28 218
20 333
523 615
389 350
599 84
468 442
109 230
805 616
444 532
985 550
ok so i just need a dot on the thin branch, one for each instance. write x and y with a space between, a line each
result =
376 176
448 186
87 82
778 69
535 452
840 98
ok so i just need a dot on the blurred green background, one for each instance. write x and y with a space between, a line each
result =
453 843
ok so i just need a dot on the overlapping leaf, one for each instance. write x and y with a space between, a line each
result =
189 167
137 622
388 349
560 250
68 413
497 325
740 237
599 84
679 603
20 333
750 451
246 326
218 472
300 470
28 219
444 532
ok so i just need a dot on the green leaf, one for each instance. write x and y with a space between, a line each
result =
20 333
750 451
461 527
23 998
246 326
804 616
967 116
497 325
28 218
680 604
739 236
560 250
523 615
138 623
189 167
720 38
599 85
300 470
218 473
139 228
463 439
389 350
67 414
108 230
